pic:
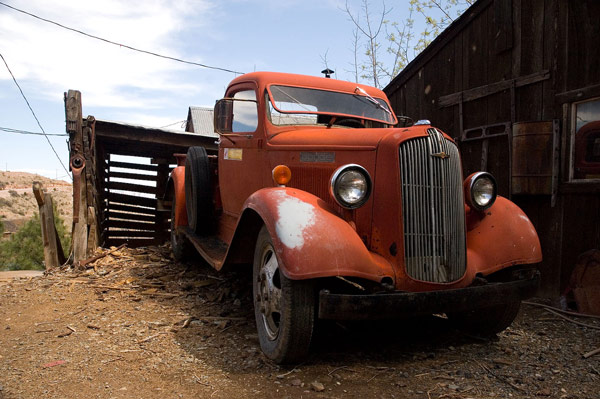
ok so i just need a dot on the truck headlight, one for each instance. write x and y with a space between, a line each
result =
350 186
480 190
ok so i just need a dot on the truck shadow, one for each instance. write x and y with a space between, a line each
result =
221 329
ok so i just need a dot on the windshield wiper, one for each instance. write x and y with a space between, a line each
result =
371 99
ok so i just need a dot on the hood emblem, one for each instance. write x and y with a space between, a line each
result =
441 155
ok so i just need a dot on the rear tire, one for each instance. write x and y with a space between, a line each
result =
198 191
488 321
284 309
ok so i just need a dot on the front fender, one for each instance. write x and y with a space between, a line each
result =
178 178
311 240
503 236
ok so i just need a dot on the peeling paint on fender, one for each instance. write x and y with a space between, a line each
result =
294 216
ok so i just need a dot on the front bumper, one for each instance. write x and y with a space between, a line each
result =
398 304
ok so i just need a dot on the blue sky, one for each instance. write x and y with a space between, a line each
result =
121 85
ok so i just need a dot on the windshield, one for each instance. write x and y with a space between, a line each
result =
298 105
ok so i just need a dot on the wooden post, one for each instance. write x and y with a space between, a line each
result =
78 162
53 252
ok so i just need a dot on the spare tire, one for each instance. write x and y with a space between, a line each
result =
198 191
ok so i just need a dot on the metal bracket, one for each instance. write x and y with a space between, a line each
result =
77 164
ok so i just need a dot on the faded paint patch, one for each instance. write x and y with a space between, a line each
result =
294 216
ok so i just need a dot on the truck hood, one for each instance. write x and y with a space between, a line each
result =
342 138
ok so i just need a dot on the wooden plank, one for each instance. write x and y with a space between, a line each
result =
129 216
124 224
529 98
129 233
52 248
93 232
578 94
580 188
583 50
131 209
119 131
73 111
502 33
131 200
136 188
486 90
130 165
517 38
131 176
550 110
80 233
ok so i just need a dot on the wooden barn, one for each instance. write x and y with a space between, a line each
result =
120 174
517 84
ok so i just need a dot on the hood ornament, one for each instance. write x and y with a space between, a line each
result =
441 155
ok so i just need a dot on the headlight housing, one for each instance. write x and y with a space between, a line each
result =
350 186
480 190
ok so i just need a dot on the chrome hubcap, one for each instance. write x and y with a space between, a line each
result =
268 292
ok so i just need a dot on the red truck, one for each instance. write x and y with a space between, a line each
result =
344 215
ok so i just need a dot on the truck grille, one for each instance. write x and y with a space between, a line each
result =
433 209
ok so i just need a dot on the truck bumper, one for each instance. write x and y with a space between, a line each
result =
399 304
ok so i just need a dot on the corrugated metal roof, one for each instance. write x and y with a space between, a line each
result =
200 121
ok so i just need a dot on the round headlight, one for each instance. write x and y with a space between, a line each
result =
351 186
481 189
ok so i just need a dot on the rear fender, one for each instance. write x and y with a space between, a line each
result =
178 181
311 240
502 236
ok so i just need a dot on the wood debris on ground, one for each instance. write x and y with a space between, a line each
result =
133 322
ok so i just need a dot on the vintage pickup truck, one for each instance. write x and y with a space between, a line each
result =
345 215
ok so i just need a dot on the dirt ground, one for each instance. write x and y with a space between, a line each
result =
135 324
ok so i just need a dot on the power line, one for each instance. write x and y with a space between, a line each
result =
174 123
122 45
33 113
18 131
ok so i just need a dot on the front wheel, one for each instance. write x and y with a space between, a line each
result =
486 321
284 309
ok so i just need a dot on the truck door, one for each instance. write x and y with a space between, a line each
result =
240 161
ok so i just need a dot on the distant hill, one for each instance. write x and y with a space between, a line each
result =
17 203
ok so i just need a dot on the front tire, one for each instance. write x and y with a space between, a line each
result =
284 309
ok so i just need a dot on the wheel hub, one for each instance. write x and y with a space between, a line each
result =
268 299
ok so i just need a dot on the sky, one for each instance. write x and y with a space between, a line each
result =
118 84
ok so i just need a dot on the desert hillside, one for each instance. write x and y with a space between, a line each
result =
17 203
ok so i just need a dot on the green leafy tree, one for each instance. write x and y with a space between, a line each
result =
24 249
1 227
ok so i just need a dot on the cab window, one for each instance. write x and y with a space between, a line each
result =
245 112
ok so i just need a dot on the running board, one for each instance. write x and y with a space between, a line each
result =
211 248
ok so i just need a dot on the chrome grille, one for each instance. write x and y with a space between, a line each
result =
432 209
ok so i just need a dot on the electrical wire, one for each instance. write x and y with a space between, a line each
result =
174 123
122 45
33 113
18 131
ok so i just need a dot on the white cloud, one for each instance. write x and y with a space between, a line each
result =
108 75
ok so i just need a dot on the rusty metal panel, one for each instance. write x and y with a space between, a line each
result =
532 163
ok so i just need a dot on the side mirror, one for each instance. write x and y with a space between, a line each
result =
223 115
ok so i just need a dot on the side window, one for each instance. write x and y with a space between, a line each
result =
245 113
586 143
